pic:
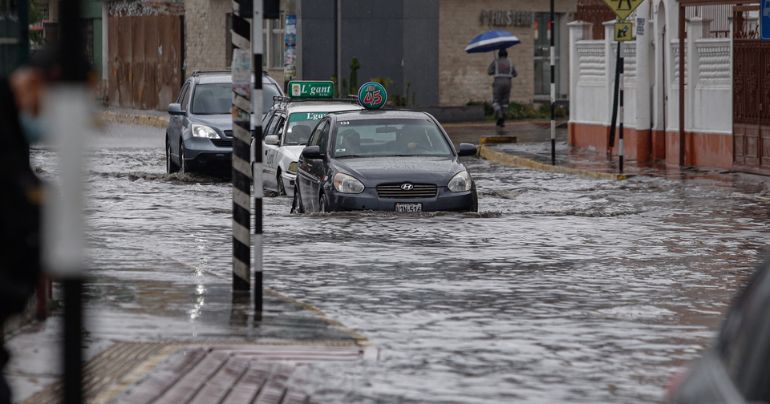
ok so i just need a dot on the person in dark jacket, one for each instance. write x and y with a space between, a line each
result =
503 71
20 205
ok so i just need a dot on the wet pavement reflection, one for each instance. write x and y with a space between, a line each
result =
560 289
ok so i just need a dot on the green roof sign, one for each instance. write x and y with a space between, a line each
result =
311 89
372 95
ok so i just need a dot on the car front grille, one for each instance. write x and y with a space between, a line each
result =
229 133
395 191
222 142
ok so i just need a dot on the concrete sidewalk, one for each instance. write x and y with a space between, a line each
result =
143 354
532 150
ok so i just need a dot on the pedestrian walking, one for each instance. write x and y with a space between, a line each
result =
20 206
503 71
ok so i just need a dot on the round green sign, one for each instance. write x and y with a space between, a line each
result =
372 95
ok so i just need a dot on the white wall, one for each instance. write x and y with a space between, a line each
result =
708 81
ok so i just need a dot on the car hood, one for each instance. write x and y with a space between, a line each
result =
221 122
292 152
373 171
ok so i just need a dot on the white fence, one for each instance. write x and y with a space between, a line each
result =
708 82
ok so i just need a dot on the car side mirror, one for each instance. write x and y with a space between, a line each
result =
272 140
175 109
466 149
312 153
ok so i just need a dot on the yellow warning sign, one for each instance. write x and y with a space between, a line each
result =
623 8
624 31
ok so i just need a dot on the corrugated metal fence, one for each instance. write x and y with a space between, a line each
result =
145 61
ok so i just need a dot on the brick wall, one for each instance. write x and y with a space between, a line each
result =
206 34
463 77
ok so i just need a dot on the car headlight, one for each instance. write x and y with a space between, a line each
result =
461 182
292 167
347 184
204 132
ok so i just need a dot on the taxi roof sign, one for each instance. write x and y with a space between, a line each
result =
372 95
623 8
311 89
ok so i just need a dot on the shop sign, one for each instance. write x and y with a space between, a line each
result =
506 18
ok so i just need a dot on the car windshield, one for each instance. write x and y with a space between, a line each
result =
389 137
210 99
301 124
217 98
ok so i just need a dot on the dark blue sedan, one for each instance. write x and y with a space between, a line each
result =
398 161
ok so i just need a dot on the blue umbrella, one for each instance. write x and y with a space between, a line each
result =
492 41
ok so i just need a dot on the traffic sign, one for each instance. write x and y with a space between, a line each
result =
624 31
311 89
764 20
372 95
624 8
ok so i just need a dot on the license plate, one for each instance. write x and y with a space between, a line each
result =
408 207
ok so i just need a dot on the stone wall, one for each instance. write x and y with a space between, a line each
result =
206 35
134 8
462 76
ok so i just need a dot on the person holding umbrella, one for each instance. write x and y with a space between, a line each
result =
503 71
501 68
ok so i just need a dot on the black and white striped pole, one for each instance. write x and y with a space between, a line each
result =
621 70
68 108
256 152
241 171
552 39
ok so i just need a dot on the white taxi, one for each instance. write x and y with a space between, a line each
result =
287 128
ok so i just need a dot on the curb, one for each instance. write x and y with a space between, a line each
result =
156 121
506 159
497 139
359 339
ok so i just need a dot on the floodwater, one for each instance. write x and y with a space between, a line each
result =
560 289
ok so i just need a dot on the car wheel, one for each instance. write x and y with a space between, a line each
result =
279 184
296 203
323 204
171 167
183 168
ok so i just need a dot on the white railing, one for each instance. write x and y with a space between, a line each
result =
591 61
713 63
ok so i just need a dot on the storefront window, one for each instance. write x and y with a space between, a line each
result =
543 55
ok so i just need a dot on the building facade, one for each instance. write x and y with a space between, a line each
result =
418 45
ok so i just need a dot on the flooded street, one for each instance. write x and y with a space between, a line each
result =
560 289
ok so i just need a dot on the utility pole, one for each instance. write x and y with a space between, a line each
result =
552 38
621 70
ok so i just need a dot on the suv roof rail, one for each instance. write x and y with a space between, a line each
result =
200 72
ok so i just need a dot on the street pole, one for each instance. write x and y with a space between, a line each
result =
67 108
552 38
242 71
621 70
615 92
256 152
